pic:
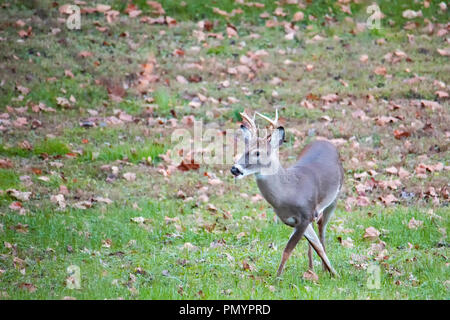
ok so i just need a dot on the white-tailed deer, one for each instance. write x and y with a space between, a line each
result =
301 194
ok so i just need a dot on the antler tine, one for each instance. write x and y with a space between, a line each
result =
274 122
248 122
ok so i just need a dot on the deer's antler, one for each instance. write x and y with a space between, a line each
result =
249 122
273 124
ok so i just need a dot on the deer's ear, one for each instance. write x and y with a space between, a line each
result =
246 133
277 137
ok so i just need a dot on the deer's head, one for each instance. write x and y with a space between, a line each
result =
261 151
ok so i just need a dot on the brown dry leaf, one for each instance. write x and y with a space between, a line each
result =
220 12
129 176
329 98
68 73
63 102
103 200
16 205
362 201
25 33
181 79
19 195
106 243
389 199
25 145
240 235
383 120
23 90
140 220
28 286
398 134
298 16
186 166
433 105
371 233
59 199
85 54
441 94
279 12
156 7
6 164
402 173
311 276
414 224
83 205
444 52
411 14
20 122
392 170
102 8
22 228
232 32
347 243
246 266
382 71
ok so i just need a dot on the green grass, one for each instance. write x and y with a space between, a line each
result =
164 101
8 179
154 248
130 152
51 147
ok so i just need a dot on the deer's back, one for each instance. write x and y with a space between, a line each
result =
320 173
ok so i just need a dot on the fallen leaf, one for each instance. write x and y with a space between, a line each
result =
246 266
389 199
311 276
186 166
347 243
85 54
28 286
398 134
414 224
298 16
382 71
129 176
371 233
411 14
19 195
6 164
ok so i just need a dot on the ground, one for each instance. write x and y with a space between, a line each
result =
88 189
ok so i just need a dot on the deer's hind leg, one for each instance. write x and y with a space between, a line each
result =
323 221
314 241
322 224
310 257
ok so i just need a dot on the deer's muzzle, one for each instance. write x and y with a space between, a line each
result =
235 171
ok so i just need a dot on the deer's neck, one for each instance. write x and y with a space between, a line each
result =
270 184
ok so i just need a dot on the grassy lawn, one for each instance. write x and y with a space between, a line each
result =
86 118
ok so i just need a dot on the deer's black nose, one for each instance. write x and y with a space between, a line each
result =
235 171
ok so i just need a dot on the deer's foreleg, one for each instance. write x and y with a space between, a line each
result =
293 240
